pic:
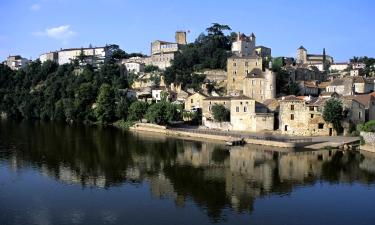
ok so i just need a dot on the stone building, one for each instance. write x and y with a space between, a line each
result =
259 85
211 101
238 68
134 67
311 59
195 101
303 116
246 77
249 115
350 86
16 62
91 55
263 52
244 45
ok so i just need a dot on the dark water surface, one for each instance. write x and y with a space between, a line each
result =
58 174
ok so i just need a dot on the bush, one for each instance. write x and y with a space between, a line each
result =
367 127
137 110
220 113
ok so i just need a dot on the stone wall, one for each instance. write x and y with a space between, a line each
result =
369 138
217 125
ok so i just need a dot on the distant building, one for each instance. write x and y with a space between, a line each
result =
134 67
195 101
90 55
16 62
350 86
311 59
263 52
243 45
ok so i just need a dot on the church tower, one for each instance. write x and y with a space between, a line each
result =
301 55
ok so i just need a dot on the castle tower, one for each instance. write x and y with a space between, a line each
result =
301 55
244 45
181 37
270 84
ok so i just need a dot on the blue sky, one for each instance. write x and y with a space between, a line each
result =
31 27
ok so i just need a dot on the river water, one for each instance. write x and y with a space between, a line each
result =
60 174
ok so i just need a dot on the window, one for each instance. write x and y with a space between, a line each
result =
359 115
291 116
311 108
311 116
191 101
292 107
240 103
321 125
246 63
237 109
234 64
245 109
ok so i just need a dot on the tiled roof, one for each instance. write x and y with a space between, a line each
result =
255 73
291 98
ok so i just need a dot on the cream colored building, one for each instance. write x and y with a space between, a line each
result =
211 101
260 85
304 58
194 101
134 67
243 45
248 115
238 68
92 55
16 62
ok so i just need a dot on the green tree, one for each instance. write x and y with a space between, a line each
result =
122 108
137 110
220 113
151 68
105 109
162 113
333 113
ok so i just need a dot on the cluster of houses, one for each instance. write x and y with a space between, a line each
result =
249 85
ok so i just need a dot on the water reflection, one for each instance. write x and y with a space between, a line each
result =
215 177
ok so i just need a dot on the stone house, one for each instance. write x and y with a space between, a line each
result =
194 101
237 70
208 102
303 116
350 85
16 62
159 92
308 88
134 67
249 115
259 85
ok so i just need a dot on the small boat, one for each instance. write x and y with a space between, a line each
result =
235 141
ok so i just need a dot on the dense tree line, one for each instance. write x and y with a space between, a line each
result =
51 92
209 51
68 93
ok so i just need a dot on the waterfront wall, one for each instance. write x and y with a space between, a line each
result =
369 138
146 127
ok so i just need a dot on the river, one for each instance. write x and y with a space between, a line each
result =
74 174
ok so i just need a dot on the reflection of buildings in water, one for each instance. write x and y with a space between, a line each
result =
368 162
296 166
69 176
249 176
161 187
198 154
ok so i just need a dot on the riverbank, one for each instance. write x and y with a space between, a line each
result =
223 137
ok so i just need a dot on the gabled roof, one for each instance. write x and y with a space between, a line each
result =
291 98
337 82
220 98
303 48
255 73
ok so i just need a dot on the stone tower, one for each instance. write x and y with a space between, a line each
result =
181 37
301 55
243 45
270 84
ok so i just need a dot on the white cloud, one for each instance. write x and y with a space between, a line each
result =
62 33
35 7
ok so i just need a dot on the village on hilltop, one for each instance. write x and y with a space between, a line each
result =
258 92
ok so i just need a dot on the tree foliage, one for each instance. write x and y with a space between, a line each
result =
220 113
137 110
209 51
105 109
333 113
162 113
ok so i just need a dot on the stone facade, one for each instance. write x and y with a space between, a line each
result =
211 101
243 45
300 117
16 62
194 101
134 67
260 85
238 68
311 59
